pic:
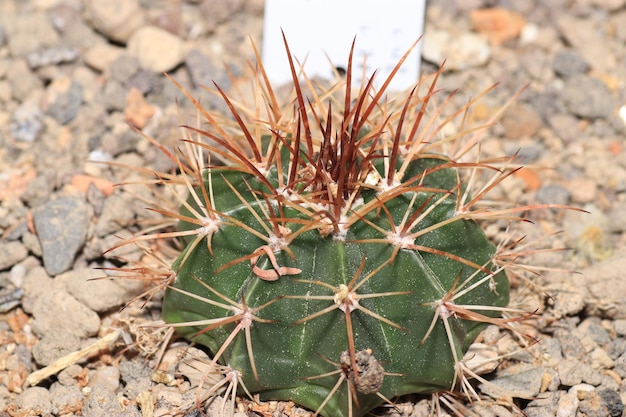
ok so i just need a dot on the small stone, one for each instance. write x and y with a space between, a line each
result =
66 399
607 287
100 295
114 96
106 376
29 32
601 360
52 56
620 327
466 50
60 313
523 380
27 122
219 11
54 346
612 402
521 121
117 213
553 194
23 81
101 402
583 190
201 69
568 404
570 372
11 253
568 63
115 19
156 49
35 401
581 33
64 98
101 55
499 25
138 111
570 346
62 228
123 68
586 96
593 406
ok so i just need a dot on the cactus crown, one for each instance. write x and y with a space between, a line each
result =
336 258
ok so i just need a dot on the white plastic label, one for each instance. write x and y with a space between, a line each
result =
320 33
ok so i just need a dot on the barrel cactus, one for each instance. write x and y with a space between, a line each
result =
336 257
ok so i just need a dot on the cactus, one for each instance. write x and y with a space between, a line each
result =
337 258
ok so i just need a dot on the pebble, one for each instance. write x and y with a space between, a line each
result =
115 19
156 49
35 401
64 98
124 67
553 194
498 24
568 63
66 399
27 122
117 214
523 380
521 121
218 11
461 52
570 372
58 312
101 55
100 295
54 346
586 96
201 69
137 110
30 32
11 253
581 33
583 190
51 56
612 402
62 229
606 286
106 376
568 404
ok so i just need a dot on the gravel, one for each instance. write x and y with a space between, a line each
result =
74 75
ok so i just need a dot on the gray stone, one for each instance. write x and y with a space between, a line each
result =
612 401
54 346
51 56
117 213
570 372
201 69
66 399
27 122
35 401
100 295
568 63
519 380
60 313
62 226
11 253
586 96
67 103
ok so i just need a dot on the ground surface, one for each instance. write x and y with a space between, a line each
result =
71 76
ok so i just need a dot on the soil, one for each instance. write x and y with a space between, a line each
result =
73 76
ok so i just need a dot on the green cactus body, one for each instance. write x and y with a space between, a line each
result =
329 247
402 287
